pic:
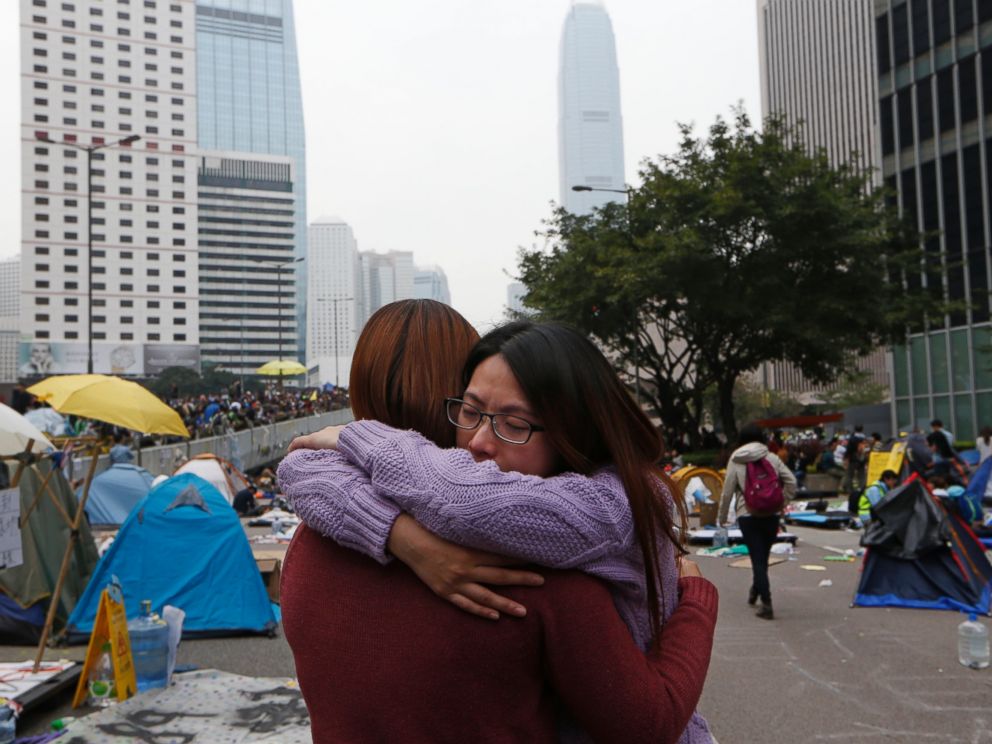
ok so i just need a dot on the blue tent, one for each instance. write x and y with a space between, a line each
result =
979 481
115 492
183 545
920 555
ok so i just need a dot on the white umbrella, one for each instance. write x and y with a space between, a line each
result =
16 431
48 420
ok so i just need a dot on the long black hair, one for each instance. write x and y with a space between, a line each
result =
592 421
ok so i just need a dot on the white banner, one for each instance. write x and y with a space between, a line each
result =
10 532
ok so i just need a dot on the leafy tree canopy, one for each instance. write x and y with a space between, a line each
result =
738 249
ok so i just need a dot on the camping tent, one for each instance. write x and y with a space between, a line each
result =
115 492
28 587
217 471
183 545
980 484
921 556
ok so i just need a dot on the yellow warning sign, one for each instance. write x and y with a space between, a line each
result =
110 627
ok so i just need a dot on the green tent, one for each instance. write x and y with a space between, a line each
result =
29 586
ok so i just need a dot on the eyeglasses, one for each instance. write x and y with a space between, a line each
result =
511 429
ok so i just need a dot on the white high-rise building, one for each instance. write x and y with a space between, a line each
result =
334 298
94 73
590 125
431 283
817 62
10 303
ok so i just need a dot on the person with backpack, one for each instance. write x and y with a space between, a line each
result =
759 485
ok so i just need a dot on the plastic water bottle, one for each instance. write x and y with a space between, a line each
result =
721 537
973 643
150 646
101 683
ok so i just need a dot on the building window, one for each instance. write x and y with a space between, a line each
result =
40 300
41 317
178 336
127 303
41 284
71 334
127 336
71 318
68 285
153 337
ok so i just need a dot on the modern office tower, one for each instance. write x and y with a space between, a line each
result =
247 218
386 277
335 299
590 126
249 101
431 283
935 101
817 63
818 69
10 304
515 292
94 73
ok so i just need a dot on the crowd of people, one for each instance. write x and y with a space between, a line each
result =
214 414
236 409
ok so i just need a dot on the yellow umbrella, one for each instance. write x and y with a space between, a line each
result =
110 399
281 367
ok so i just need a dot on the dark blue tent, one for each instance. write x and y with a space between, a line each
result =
919 555
183 545
115 492
978 484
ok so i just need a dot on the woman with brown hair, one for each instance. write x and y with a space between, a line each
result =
540 400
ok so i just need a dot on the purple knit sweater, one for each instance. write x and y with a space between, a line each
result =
354 495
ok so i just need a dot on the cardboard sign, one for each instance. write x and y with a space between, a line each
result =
10 530
110 626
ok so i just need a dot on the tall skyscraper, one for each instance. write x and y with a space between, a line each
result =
336 298
590 125
249 99
817 67
386 277
247 215
935 100
92 75
431 283
515 292
817 62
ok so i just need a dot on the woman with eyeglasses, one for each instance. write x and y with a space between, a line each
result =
538 402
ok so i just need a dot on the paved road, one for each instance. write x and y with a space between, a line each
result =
820 672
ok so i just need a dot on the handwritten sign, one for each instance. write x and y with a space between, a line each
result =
11 553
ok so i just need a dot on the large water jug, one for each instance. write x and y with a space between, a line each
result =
150 647
973 643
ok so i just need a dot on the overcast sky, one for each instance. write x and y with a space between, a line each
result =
432 125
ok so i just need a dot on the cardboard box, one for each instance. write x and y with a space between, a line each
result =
271 570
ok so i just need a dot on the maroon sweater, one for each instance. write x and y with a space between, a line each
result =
380 658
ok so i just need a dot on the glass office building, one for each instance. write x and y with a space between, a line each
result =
590 126
248 95
935 115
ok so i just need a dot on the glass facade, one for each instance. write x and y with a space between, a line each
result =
248 95
935 106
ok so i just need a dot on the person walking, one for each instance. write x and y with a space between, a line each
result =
758 484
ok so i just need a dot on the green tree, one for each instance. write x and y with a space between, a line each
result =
738 249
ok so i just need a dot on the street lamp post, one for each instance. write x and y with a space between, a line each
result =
335 300
279 266
89 150
637 346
